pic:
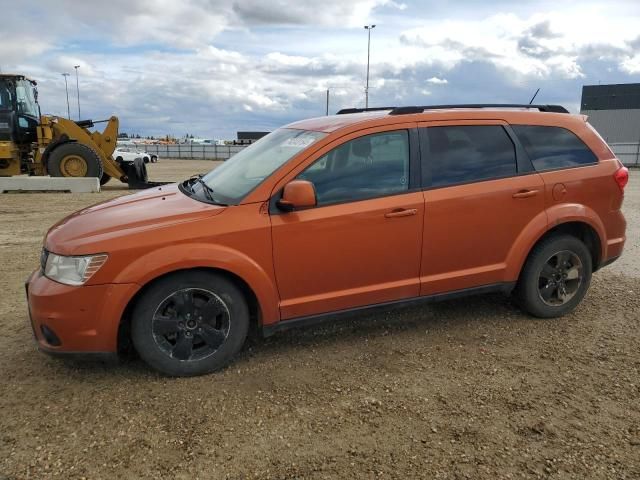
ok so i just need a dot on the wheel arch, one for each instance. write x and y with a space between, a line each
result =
124 327
583 231
580 229
577 220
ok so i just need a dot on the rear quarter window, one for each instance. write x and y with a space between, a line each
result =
550 148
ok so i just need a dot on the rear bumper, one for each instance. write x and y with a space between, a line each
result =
615 246
608 262
76 320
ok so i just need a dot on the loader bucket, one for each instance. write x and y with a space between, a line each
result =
137 177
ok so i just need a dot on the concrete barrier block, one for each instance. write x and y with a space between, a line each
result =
25 183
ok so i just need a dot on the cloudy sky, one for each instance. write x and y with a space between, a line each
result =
212 67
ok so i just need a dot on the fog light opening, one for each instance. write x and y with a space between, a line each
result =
50 336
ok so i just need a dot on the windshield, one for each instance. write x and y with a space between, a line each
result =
25 99
236 177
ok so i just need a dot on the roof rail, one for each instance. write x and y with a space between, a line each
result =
345 111
416 109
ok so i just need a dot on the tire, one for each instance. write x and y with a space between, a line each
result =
141 169
154 159
104 178
167 327
74 160
146 159
555 278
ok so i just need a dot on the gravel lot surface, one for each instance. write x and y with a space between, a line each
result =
462 389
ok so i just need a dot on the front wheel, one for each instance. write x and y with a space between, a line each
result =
190 323
74 160
555 277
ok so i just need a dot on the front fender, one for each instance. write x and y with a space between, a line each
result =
169 259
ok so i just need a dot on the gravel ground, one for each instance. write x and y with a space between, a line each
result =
461 389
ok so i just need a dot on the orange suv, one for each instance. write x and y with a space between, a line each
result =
367 208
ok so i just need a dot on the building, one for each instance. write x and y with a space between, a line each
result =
614 110
246 138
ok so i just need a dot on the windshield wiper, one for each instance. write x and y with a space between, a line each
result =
208 191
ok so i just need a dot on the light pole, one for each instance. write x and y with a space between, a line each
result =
66 87
368 28
327 102
78 88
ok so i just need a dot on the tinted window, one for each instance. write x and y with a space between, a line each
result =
461 154
366 167
553 147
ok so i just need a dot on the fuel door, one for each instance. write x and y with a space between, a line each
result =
559 191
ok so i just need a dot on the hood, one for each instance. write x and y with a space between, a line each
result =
147 210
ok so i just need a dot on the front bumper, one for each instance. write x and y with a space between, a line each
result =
80 320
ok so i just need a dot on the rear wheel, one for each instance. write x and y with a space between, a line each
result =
190 323
74 160
555 277
154 158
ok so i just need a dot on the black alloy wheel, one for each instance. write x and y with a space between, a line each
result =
556 276
560 278
191 324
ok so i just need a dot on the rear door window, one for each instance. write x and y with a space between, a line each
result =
468 153
550 148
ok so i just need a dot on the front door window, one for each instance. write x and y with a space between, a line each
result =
370 166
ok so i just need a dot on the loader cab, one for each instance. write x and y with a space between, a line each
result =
7 113
19 109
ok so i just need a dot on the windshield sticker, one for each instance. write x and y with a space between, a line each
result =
298 142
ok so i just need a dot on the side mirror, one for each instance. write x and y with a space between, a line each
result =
297 194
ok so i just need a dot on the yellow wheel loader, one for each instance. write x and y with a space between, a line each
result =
35 144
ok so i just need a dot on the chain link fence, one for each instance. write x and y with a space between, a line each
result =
194 151
627 153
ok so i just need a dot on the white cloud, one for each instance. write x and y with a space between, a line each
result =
632 64
539 45
201 65
174 23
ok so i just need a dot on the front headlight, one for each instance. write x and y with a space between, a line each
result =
73 270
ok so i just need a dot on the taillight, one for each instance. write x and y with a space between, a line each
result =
621 177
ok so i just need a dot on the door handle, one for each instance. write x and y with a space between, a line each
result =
525 194
401 212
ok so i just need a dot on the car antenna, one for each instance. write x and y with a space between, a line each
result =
534 96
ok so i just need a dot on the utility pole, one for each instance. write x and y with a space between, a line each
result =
78 88
368 28
66 87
